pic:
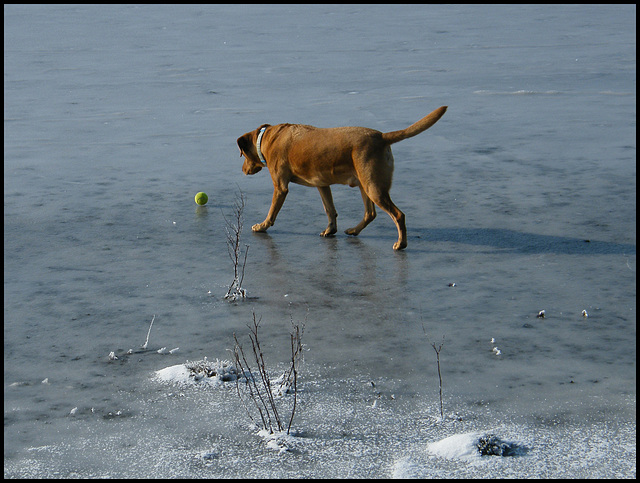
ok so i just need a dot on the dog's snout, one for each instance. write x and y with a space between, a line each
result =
250 168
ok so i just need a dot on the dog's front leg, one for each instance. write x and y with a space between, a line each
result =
279 194
329 209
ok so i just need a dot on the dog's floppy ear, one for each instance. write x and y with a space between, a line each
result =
244 143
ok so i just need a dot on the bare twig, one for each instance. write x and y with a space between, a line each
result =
234 247
438 349
261 389
238 355
149 333
296 352
262 370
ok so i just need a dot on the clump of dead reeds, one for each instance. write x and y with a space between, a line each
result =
264 398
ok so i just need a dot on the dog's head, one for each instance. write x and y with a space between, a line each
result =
247 145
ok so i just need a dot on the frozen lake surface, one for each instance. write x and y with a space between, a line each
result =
523 195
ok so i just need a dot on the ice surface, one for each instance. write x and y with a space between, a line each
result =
521 198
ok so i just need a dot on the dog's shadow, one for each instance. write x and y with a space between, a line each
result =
523 243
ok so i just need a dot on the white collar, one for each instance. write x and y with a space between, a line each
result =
260 156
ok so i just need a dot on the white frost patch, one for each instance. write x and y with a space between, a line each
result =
208 457
472 446
198 372
279 440
458 446
403 469
177 374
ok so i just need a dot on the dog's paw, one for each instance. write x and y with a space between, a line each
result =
400 245
330 231
259 228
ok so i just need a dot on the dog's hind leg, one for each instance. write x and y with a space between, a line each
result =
369 215
330 210
383 200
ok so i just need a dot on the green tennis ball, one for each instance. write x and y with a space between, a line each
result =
202 198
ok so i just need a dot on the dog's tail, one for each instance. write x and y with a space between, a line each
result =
416 128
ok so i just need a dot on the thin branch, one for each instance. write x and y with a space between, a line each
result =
257 350
296 350
240 369
437 350
254 391
149 332
261 389
234 249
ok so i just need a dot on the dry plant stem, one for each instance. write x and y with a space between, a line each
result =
244 264
234 231
260 387
262 399
149 332
438 349
296 351
255 394
238 354
262 370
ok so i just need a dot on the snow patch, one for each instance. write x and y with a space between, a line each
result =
403 468
279 440
202 372
473 446
458 446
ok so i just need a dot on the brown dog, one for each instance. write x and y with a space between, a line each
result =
310 156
